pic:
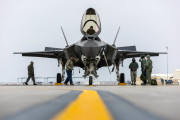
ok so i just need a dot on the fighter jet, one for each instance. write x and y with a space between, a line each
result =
92 52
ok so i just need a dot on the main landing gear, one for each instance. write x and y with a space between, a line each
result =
59 79
122 79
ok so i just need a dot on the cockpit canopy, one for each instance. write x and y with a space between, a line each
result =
90 18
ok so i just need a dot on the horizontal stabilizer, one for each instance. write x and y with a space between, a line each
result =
128 48
52 49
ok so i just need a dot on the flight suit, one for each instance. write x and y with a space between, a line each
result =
143 64
149 70
133 67
69 68
143 69
30 73
90 32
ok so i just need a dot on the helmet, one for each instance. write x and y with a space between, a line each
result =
133 59
142 56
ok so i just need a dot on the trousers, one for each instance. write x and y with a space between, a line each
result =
69 77
32 77
148 75
144 73
133 76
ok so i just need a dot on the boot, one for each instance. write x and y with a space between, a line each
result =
34 84
65 83
26 83
132 83
143 84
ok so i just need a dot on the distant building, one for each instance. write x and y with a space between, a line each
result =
175 77
163 76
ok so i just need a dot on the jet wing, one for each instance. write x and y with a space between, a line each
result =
129 54
130 48
48 53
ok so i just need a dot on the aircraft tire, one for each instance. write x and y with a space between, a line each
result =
59 80
90 80
122 78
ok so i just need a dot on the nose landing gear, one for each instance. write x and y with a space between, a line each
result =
90 80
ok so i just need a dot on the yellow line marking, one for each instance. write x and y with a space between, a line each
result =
88 106
58 84
122 84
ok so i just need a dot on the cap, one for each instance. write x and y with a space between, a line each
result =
148 56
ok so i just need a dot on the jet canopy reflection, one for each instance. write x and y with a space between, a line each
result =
90 18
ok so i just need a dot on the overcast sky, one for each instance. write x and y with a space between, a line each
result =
32 25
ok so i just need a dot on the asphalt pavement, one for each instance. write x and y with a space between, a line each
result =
90 102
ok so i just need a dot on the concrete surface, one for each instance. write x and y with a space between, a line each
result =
161 102
16 98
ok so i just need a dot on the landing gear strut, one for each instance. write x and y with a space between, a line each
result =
90 80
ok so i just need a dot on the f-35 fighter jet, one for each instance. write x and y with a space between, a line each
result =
93 53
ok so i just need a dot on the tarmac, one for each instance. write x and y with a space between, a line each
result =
90 102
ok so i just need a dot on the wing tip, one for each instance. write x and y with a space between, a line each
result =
17 53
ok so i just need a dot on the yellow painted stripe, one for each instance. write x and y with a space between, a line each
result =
88 106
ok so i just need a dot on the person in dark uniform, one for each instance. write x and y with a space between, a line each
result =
30 74
143 69
133 67
91 31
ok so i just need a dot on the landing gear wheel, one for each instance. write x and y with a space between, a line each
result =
122 78
59 80
90 80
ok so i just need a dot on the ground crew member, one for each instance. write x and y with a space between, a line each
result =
133 67
148 68
30 74
69 68
143 69
90 31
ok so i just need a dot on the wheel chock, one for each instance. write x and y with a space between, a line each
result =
58 84
122 84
